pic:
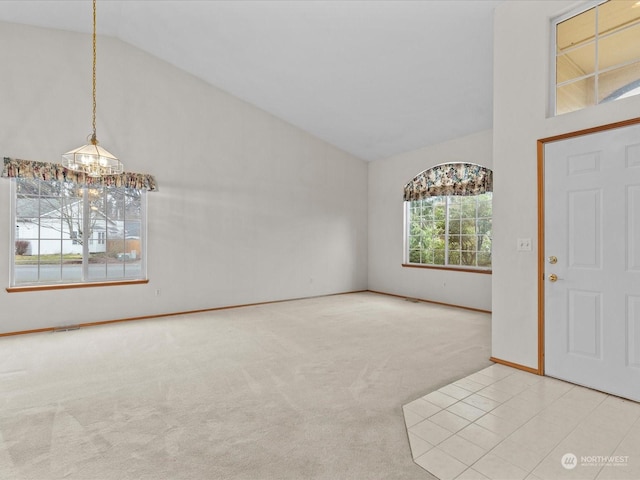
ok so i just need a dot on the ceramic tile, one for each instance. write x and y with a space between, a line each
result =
527 378
519 455
482 379
471 474
480 436
497 371
614 414
468 384
557 465
561 415
418 445
528 403
622 471
493 393
429 431
588 445
634 431
522 425
462 449
497 425
455 392
510 385
547 390
410 417
585 397
498 468
467 411
630 444
513 415
590 440
538 434
441 464
450 421
422 408
483 403
440 399
531 476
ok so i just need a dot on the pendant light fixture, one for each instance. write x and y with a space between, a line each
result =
91 158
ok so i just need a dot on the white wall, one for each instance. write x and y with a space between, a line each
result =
521 79
250 209
386 181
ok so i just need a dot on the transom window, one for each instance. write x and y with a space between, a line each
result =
69 233
597 55
450 231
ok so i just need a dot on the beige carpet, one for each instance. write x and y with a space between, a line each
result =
307 389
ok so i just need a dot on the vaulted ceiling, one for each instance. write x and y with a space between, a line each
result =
373 77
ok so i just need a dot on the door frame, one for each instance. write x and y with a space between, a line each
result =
541 233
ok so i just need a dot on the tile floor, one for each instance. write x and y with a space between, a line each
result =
503 423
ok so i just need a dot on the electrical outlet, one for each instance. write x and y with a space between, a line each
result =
524 244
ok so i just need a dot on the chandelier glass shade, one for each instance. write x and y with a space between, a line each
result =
93 160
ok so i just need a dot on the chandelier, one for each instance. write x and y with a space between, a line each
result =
91 158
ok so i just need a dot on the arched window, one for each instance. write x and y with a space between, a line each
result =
448 217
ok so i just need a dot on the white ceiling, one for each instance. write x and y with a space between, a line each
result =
372 77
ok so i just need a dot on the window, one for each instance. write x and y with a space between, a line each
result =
450 231
448 217
68 233
597 55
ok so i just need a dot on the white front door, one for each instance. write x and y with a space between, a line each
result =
592 246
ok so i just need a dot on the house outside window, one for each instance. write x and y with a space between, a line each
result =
70 233
596 55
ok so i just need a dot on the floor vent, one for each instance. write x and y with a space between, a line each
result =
66 328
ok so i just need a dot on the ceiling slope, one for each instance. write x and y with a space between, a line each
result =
374 78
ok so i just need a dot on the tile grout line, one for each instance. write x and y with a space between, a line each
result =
528 471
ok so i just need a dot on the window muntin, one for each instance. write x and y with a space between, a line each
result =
597 55
66 233
452 231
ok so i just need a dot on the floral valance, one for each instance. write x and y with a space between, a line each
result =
449 179
14 168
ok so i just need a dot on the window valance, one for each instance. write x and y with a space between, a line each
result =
15 168
450 179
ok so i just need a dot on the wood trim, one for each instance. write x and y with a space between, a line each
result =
170 314
64 286
24 332
431 301
587 131
451 269
541 232
515 365
541 252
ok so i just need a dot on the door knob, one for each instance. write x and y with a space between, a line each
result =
553 260
553 277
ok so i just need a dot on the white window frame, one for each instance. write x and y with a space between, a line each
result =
86 279
406 241
553 55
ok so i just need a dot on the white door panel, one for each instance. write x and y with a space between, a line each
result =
592 226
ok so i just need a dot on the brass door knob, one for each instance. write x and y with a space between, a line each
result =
553 277
553 260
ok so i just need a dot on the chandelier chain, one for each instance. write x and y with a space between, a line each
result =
91 159
93 137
